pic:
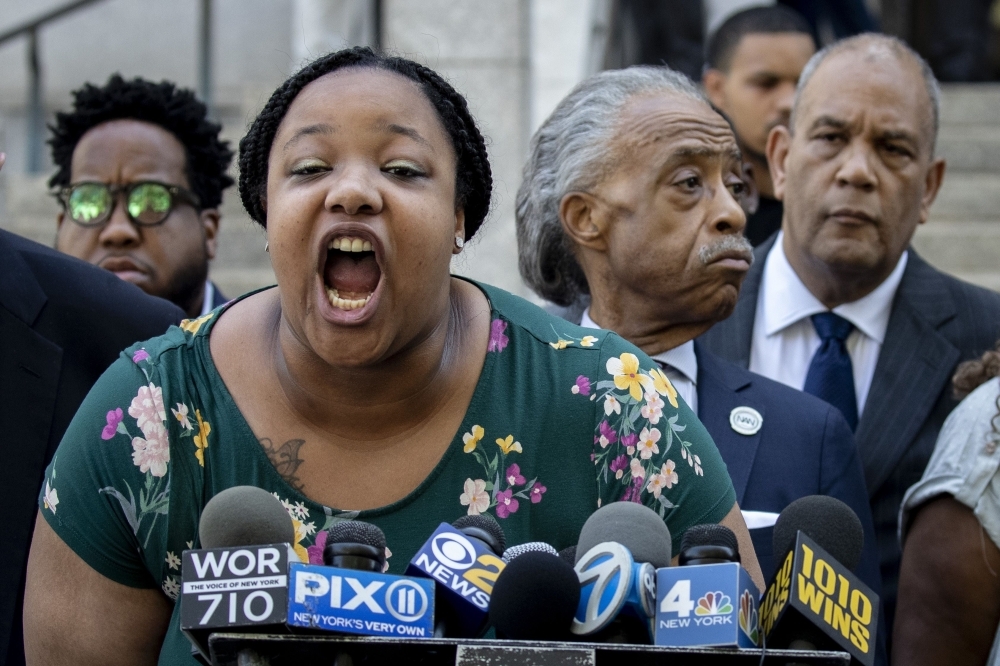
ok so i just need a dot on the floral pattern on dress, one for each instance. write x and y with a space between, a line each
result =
498 339
630 449
192 326
299 514
481 495
564 340
143 504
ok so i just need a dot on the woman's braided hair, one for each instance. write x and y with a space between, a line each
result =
473 178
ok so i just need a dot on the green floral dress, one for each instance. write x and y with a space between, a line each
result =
563 420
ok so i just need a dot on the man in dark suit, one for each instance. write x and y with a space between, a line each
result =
651 247
838 303
62 323
141 171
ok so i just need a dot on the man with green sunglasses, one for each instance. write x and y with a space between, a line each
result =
140 177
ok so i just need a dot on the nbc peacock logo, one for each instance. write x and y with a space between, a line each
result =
714 603
748 617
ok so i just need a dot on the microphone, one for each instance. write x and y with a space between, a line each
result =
464 561
353 544
263 586
530 547
814 600
350 594
619 547
568 555
708 544
244 516
239 577
712 583
535 596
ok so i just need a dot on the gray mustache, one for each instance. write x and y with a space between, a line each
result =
736 243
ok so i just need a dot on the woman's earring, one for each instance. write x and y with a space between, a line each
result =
265 246
459 242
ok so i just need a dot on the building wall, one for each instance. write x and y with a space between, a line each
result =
513 59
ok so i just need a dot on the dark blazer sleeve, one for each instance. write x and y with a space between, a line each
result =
63 322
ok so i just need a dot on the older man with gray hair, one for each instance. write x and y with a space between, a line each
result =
839 304
629 217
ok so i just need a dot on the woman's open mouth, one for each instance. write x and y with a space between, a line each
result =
351 273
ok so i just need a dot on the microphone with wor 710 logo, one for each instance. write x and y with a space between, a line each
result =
239 578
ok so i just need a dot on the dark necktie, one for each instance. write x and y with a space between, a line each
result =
831 375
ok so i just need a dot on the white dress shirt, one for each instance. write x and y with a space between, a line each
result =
680 365
206 304
784 339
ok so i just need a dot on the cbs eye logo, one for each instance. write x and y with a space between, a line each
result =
454 551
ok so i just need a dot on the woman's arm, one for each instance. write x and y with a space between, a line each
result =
949 588
74 615
734 521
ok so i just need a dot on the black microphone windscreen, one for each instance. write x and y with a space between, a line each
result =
244 516
534 598
357 531
568 555
634 526
530 547
827 521
709 535
486 523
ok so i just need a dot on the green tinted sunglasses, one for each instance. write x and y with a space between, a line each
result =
147 203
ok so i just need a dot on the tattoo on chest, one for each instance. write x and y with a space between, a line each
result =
286 460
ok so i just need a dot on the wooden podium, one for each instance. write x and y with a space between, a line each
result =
290 650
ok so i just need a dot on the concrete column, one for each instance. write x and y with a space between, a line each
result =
481 48
321 26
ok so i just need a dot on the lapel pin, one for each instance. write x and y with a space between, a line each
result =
746 420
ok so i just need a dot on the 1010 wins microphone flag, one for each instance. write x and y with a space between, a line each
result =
814 595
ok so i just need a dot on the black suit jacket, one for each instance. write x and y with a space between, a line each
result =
62 323
936 321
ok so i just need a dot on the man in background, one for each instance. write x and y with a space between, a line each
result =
62 323
838 303
629 216
752 65
140 177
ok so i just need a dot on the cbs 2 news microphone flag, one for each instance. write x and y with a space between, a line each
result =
814 595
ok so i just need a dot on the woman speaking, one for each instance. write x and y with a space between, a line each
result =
369 384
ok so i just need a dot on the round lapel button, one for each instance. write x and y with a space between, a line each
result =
746 420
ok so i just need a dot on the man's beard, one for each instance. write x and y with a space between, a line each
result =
187 284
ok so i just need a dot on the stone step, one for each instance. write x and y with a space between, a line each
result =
968 195
970 104
960 246
970 148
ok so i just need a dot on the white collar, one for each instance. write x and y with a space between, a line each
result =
206 304
682 358
787 300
